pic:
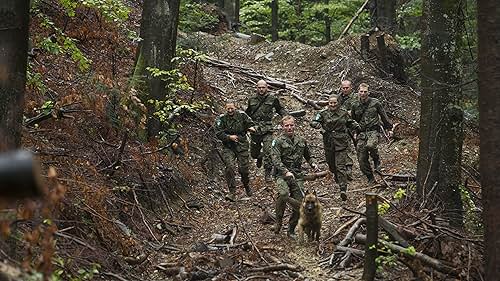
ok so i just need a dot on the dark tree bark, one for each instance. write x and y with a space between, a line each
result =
386 15
489 112
232 11
370 266
159 33
14 26
328 23
274 20
300 24
441 120
328 27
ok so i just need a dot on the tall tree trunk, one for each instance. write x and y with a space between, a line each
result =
328 23
300 24
14 26
386 15
328 27
274 20
441 121
159 33
489 112
232 11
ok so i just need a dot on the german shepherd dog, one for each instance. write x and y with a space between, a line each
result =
310 217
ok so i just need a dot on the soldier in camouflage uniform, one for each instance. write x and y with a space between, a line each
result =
368 112
231 128
335 123
287 153
346 99
261 109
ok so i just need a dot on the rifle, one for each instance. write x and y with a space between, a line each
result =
19 175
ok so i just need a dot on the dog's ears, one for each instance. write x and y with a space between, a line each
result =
311 191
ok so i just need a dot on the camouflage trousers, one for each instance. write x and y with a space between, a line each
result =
337 162
232 157
294 189
368 146
261 147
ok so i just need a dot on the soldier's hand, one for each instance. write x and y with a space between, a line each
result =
233 138
252 129
390 134
314 167
289 175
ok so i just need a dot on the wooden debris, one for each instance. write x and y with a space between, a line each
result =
276 267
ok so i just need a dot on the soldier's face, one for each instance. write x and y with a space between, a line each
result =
261 88
363 93
346 88
333 103
230 109
289 127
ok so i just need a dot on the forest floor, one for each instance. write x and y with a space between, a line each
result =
145 211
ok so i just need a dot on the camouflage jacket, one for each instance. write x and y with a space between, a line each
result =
238 124
287 154
335 127
347 102
260 109
367 115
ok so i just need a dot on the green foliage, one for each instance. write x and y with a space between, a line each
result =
410 251
383 208
60 274
60 43
410 42
472 218
386 258
255 16
399 194
112 10
34 79
176 83
412 8
195 16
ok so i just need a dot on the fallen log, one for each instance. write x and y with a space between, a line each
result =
272 82
393 231
276 267
314 176
429 261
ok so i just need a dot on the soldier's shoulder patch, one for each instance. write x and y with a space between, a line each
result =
317 116
218 121
274 143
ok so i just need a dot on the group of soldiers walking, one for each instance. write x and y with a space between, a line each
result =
350 118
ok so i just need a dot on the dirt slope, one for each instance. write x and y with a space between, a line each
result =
292 63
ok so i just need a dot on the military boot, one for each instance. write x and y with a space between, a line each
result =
291 230
376 164
246 183
259 162
343 193
231 195
348 172
280 211
268 175
371 179
248 190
